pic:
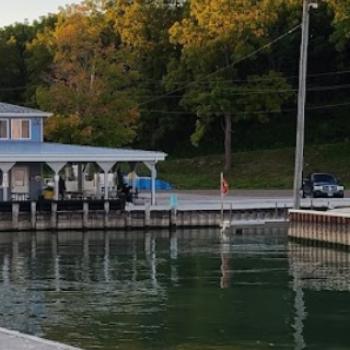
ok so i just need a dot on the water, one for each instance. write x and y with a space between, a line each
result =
185 291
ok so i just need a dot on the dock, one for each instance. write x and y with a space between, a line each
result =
12 340
192 210
330 227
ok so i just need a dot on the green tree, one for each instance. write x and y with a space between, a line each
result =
88 87
213 36
341 22
143 28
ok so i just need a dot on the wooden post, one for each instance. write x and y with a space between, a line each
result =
85 215
106 218
53 215
15 215
33 214
147 215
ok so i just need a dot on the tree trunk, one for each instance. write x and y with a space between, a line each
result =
227 143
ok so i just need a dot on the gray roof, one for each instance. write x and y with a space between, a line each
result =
28 151
8 110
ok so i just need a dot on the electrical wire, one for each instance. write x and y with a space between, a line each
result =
317 107
315 75
253 53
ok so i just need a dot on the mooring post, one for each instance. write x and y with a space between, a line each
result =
53 215
173 214
148 215
106 218
33 215
15 215
85 214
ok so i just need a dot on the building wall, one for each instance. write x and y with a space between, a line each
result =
35 181
36 128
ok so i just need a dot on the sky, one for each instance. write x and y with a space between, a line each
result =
12 11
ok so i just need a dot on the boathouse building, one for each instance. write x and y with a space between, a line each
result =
23 154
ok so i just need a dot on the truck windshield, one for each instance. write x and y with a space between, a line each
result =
325 178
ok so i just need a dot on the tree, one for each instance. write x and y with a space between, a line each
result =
143 28
88 86
213 36
341 22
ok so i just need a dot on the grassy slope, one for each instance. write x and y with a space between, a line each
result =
257 169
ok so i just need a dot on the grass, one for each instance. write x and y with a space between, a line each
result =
257 169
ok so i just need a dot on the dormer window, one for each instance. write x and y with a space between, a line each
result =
20 129
4 129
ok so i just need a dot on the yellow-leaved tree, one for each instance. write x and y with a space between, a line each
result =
87 87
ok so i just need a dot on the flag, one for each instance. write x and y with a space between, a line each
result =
224 185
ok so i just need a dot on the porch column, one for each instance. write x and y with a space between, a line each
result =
5 168
152 167
106 167
56 167
133 166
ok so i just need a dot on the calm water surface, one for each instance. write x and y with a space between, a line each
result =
185 290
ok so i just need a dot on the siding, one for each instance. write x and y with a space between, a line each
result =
36 128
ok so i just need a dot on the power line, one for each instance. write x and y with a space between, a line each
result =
268 91
253 53
316 107
253 80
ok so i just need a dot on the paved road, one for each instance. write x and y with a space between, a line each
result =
210 199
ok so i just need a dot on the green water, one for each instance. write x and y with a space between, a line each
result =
186 290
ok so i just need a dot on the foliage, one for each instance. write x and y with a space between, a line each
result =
167 74
88 83
256 169
341 10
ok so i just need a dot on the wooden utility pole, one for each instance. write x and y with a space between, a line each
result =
299 150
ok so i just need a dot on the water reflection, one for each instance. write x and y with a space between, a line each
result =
176 290
320 268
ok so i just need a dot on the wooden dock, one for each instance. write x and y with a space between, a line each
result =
328 227
83 215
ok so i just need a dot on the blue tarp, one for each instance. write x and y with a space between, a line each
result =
144 183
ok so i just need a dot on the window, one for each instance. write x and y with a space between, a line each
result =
4 129
20 129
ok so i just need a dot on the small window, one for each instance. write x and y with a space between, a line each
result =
20 129
4 129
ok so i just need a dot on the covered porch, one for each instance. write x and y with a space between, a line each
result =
24 166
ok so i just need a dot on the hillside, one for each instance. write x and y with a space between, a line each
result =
257 169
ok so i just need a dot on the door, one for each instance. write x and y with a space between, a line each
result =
20 183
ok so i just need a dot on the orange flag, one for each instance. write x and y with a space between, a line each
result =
224 185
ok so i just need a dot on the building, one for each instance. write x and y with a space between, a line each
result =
23 153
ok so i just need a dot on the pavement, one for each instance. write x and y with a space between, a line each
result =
210 199
12 340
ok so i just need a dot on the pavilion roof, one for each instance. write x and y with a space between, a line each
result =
28 151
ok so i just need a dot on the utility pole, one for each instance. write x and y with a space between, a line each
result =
299 150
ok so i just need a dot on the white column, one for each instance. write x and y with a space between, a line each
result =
106 167
56 167
57 182
153 185
106 183
5 186
5 168
152 167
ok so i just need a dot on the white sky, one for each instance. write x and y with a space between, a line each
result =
12 11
